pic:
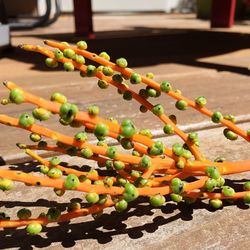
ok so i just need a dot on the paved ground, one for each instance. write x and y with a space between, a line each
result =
181 49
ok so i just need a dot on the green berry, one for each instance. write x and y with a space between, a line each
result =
71 181
210 185
126 143
187 154
146 132
102 199
128 131
121 181
168 129
107 71
82 45
230 118
44 169
51 62
201 101
79 59
126 122
34 228
135 78
165 86
55 173
131 193
93 110
158 110
91 70
58 97
246 198
55 161
145 162
181 105
112 152
26 120
86 153
41 114
213 172
176 197
53 214
101 129
246 186
117 78
121 205
122 62
217 117
108 181
68 66
16 96
24 214
228 191
119 165
58 54
102 84
69 53
178 149
216 203
180 164
35 137
157 200
193 136
220 182
81 136
177 185
104 55
230 135
150 75
92 198
151 92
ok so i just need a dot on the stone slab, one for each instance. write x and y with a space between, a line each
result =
141 227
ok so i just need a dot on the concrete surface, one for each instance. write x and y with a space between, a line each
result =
178 48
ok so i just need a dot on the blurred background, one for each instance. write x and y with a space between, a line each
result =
200 46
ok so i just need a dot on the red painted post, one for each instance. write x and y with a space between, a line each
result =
222 13
83 18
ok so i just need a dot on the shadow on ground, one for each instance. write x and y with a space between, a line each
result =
144 46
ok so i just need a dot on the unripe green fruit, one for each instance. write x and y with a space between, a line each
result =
181 105
16 96
157 200
58 54
93 110
68 66
145 162
79 59
92 198
55 173
58 97
105 55
69 53
212 172
230 135
176 197
107 71
246 186
81 136
41 114
210 185
86 153
216 203
82 45
91 70
247 198
71 181
122 62
165 86
168 129
228 191
158 110
51 62
26 120
102 84
119 165
135 78
55 161
177 185
121 205
201 101
112 152
34 228
44 169
217 117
